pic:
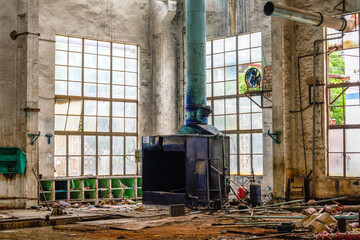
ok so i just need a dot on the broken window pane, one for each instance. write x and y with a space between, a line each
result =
60 166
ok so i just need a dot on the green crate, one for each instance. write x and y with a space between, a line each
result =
128 182
104 193
129 193
117 193
90 194
46 185
104 183
139 192
75 184
89 183
48 195
76 195
12 160
139 182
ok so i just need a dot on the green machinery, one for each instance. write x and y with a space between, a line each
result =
12 160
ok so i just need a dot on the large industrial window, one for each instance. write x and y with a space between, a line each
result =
344 103
95 107
236 115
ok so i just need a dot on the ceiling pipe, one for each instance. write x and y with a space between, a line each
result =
314 18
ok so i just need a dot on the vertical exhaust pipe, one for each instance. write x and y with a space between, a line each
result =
314 18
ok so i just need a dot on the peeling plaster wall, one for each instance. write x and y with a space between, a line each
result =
110 20
249 18
295 39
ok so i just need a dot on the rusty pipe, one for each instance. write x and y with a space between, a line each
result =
314 18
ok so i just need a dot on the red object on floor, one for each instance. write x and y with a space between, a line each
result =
242 192
338 236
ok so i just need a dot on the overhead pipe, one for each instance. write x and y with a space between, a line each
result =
314 18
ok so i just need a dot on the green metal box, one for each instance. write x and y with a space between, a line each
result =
12 160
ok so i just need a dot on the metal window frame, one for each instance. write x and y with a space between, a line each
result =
237 96
328 100
110 99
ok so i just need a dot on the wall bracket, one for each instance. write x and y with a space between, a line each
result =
275 136
49 136
33 137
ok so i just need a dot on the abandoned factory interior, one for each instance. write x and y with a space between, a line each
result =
179 119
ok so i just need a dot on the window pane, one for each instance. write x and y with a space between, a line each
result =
118 125
118 49
131 79
130 125
60 145
90 107
245 164
118 165
233 143
89 90
219 89
103 76
90 165
219 122
218 46
130 165
60 57
60 88
61 106
230 105
230 58
231 122
336 140
104 165
103 91
336 164
74 166
208 48
245 122
257 120
74 89
117 91
104 48
352 140
208 76
130 65
60 166
208 61
118 109
130 109
75 107
230 88
218 74
258 164
230 73
60 73
352 165
75 59
118 63
73 123
90 60
244 56
244 41
118 145
103 108
75 44
103 145
244 103
257 142
89 145
103 124
130 92
61 42
230 44
90 46
219 107
74 145
118 77
208 90
60 123
256 39
254 107
104 62
244 143
233 165
218 60
255 54
74 74
352 115
130 51
90 124
89 75
130 145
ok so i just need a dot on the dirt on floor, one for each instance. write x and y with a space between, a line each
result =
199 227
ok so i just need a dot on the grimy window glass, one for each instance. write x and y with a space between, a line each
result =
234 114
343 102
96 107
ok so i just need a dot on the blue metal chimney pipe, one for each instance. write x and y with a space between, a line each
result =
196 109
